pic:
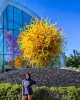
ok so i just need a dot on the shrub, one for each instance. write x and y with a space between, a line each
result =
55 95
41 93
3 90
13 92
72 93
10 92
78 91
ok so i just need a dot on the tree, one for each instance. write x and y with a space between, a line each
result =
41 42
73 60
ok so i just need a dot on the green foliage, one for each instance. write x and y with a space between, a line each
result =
73 60
79 67
42 93
72 93
10 92
13 92
66 93
3 90
78 91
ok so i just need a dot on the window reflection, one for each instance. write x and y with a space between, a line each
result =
17 16
8 42
10 13
1 21
10 25
1 62
5 19
26 18
1 41
8 61
10 8
16 26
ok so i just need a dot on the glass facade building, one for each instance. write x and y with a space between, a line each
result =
13 16
12 19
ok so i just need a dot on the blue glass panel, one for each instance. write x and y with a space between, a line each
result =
5 19
1 41
16 33
8 43
10 8
19 19
17 16
17 27
10 25
10 16
10 13
19 12
26 18
1 21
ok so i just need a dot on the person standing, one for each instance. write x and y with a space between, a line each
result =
26 87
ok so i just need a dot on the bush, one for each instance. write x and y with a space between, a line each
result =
3 90
66 93
55 95
13 92
41 93
10 92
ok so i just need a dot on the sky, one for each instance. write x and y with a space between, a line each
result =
65 12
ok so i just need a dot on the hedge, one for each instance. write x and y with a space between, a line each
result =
43 76
13 92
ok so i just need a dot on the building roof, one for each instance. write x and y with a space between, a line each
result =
5 3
